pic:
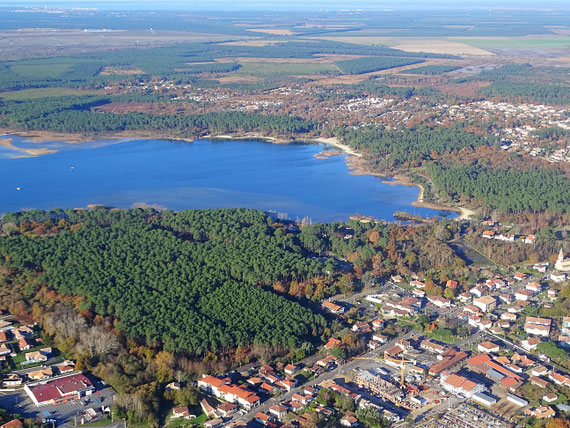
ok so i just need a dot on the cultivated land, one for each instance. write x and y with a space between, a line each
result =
302 312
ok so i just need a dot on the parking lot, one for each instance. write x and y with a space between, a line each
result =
19 402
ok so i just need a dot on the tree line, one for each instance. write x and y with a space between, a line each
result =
75 114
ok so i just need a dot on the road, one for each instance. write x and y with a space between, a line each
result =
331 374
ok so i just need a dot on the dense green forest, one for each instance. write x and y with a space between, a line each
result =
538 92
432 69
74 114
412 146
369 64
506 190
187 280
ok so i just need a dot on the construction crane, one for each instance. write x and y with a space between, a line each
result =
403 364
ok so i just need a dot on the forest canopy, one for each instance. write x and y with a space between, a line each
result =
190 281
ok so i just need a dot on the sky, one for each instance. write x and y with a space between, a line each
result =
291 5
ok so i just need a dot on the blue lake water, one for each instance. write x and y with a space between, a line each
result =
285 178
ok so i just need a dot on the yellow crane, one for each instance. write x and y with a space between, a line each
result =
403 364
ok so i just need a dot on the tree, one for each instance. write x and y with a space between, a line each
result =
449 293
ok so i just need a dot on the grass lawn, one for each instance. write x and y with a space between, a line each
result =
181 422
31 94
272 69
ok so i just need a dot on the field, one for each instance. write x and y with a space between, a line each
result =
271 69
527 42
30 94
40 70
441 46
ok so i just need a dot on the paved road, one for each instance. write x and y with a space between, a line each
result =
336 372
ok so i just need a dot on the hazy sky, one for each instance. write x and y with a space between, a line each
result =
291 5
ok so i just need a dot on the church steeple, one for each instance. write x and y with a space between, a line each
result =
561 255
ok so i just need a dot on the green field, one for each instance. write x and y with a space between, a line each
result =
32 94
40 70
271 69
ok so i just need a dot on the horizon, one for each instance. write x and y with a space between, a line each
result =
269 5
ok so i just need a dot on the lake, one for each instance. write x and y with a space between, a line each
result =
285 178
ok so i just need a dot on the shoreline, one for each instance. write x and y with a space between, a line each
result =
352 161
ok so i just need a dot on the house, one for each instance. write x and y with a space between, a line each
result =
417 284
349 420
464 297
24 344
430 346
440 302
333 307
533 286
35 357
452 284
291 369
552 293
487 347
471 309
523 294
214 423
418 293
529 239
226 409
12 380
45 373
559 379
519 276
172 386
558 277
541 383
4 350
4 338
489 234
262 418
509 316
531 343
549 398
540 267
396 279
59 390
332 343
380 338
539 371
182 412
537 329
278 411
485 303
542 412
448 359
479 290
208 408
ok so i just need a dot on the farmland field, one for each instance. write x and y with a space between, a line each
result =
30 94
267 69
